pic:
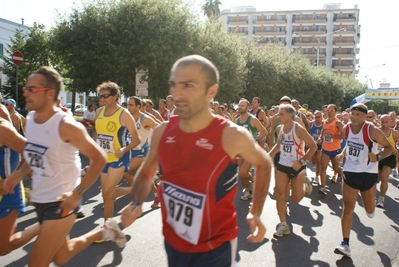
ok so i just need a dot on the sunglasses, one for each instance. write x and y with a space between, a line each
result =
370 117
105 95
318 117
34 89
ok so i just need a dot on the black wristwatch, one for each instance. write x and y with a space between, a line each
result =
302 161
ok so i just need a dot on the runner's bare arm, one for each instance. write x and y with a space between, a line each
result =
143 180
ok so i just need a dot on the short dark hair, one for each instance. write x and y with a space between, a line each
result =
137 100
257 98
207 67
53 79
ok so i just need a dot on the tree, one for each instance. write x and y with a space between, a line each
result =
108 40
33 45
211 8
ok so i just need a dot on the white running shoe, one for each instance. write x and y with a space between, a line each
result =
308 186
281 230
323 191
247 195
343 249
114 233
380 203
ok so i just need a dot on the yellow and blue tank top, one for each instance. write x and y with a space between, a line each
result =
111 134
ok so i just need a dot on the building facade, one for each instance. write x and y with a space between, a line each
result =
328 37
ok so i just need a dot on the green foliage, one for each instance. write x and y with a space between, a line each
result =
108 40
34 47
211 8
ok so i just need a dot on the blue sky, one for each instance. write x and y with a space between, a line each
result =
379 43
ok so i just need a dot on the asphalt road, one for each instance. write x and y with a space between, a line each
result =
314 222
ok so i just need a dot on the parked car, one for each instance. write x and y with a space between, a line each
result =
79 108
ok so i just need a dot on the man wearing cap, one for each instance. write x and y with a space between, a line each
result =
299 114
17 119
360 169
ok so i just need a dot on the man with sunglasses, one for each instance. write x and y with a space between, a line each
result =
53 142
116 135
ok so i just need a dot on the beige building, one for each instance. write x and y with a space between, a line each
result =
328 37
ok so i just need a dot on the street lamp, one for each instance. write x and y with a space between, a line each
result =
367 75
318 37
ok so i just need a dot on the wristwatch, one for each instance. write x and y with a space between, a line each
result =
378 156
302 161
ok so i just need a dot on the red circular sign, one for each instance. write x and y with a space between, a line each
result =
17 58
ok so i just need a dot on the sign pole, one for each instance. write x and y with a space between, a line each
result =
16 87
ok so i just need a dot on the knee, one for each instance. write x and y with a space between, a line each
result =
4 249
58 261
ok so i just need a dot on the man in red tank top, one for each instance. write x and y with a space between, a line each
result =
197 196
162 109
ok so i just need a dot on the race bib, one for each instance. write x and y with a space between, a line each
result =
106 142
35 155
185 210
354 150
327 139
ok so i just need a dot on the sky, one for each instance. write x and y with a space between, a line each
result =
379 43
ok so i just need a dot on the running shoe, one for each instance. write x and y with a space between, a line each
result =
323 191
316 180
380 203
247 195
308 186
281 230
114 233
155 204
343 249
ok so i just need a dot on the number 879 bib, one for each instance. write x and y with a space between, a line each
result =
185 210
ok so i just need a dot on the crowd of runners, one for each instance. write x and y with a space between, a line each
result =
237 142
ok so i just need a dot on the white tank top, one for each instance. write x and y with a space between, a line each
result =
291 147
357 150
55 164
143 133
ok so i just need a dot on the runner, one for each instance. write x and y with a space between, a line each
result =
54 140
291 166
197 197
360 169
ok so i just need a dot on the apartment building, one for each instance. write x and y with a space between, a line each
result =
7 31
328 37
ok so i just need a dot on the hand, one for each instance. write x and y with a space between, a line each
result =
256 227
373 157
70 200
129 214
7 186
395 152
339 157
297 165
119 153
318 140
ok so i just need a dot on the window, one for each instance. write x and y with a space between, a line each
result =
1 50
268 17
279 17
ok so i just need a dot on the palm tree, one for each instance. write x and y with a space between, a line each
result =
211 8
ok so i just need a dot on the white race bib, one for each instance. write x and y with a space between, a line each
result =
35 155
106 142
185 210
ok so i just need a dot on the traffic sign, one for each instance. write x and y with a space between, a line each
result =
17 58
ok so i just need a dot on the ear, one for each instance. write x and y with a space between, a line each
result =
212 91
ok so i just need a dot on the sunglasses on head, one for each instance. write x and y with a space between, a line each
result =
34 89
105 95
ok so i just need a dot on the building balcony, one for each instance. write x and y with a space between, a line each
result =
309 32
344 19
269 21
343 56
239 22
342 67
343 43
313 43
299 20
269 33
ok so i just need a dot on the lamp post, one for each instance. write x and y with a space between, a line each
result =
318 37
367 75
